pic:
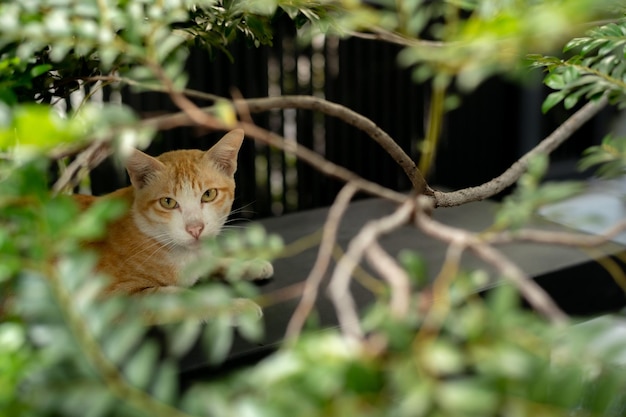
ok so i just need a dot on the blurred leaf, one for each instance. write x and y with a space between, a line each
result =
609 157
363 378
519 207
91 224
416 266
183 336
141 367
442 358
250 324
466 398
36 128
122 339
165 386
218 338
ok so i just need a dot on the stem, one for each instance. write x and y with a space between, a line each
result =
102 365
435 121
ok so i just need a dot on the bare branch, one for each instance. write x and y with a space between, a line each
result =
258 105
350 117
531 291
559 238
398 279
193 113
86 160
380 34
512 174
319 162
339 287
324 255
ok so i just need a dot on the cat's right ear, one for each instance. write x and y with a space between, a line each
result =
141 167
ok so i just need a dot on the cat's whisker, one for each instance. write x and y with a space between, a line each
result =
143 249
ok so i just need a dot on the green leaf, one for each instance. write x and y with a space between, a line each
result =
570 101
467 397
121 340
141 366
250 325
41 69
416 266
165 386
218 338
91 224
554 81
183 336
552 100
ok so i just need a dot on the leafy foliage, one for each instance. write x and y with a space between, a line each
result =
598 67
65 351
62 347
477 358
530 194
609 157
493 39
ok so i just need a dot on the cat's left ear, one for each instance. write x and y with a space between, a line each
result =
224 152
141 168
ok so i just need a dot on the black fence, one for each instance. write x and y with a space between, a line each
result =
493 127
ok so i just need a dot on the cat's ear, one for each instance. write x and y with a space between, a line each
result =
224 152
141 167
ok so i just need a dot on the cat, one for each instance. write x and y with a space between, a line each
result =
175 201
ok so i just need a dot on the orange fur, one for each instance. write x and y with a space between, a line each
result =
148 248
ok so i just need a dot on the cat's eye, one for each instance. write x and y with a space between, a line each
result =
168 203
209 195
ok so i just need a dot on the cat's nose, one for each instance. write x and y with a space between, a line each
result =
195 230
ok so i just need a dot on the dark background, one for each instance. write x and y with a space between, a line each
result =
492 128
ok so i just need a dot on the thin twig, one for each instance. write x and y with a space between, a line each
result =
324 255
339 287
352 118
86 160
396 277
379 34
257 105
320 163
559 238
439 305
107 370
513 173
532 292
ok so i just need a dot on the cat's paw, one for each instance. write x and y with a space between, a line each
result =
258 270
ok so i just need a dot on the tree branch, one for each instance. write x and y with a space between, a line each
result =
86 160
559 238
512 174
324 255
259 105
350 117
395 275
532 292
339 287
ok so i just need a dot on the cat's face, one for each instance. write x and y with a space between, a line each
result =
184 196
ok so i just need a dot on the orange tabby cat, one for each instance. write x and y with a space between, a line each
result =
175 200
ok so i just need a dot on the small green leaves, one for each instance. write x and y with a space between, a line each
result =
218 337
609 157
416 266
518 208
36 128
597 67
